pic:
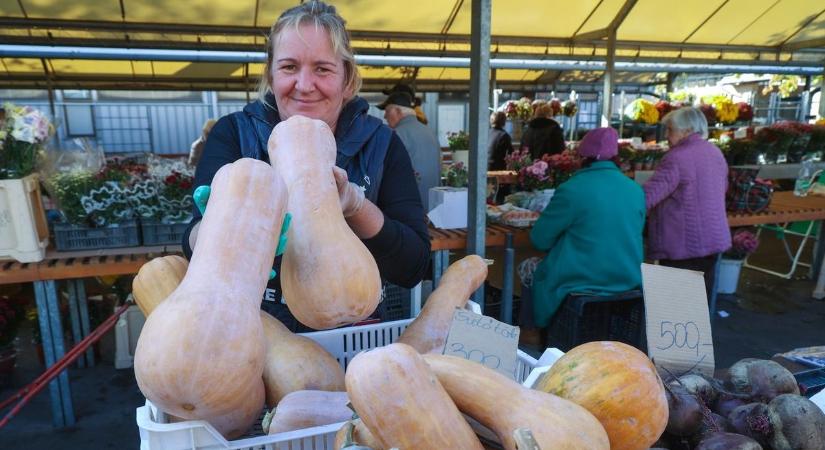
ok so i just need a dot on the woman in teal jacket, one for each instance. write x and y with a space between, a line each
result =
591 229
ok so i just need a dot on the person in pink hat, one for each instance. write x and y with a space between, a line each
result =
591 231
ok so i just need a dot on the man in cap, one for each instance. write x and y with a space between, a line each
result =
402 87
420 141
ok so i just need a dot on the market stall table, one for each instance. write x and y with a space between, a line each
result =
72 267
784 207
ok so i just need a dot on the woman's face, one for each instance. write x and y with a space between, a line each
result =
673 135
307 76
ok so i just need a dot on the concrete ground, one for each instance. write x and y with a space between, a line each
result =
767 316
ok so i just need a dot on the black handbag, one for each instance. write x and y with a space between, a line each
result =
747 193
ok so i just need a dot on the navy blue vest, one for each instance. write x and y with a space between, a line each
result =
361 139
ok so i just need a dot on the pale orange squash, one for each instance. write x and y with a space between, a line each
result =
619 385
428 332
354 432
306 409
237 422
202 348
503 405
156 280
296 363
328 277
399 399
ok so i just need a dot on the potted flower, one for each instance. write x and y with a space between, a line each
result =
23 133
456 175
459 144
743 244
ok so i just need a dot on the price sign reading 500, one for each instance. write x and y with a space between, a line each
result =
681 335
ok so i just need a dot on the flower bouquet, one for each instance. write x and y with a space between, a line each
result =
23 131
727 112
664 107
569 108
556 106
521 109
745 111
641 110
743 244
456 175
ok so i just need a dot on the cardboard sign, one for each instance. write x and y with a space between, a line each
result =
484 340
678 326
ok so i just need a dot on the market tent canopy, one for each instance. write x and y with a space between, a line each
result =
752 32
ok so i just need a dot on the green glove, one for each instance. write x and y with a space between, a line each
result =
201 196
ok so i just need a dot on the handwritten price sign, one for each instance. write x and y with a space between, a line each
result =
484 340
679 336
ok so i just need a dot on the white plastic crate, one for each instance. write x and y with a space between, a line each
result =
127 331
343 343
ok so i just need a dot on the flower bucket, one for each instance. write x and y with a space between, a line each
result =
728 277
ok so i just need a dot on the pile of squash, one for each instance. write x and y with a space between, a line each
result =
207 351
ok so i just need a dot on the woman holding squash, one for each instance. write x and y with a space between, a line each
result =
310 71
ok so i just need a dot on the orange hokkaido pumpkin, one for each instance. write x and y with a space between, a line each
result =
156 280
328 277
428 332
502 405
306 409
202 349
400 400
619 385
296 363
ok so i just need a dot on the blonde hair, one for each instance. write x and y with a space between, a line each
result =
318 13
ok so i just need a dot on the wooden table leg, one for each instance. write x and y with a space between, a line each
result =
51 331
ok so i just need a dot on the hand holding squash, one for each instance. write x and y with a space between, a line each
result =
350 195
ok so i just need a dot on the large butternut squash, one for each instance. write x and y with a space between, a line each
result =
428 332
503 405
305 409
619 385
296 363
328 277
156 280
202 348
399 399
237 422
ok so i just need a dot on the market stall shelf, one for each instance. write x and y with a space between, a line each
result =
72 267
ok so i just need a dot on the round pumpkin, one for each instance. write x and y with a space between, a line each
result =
619 385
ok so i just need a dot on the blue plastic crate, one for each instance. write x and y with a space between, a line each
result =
68 237
155 232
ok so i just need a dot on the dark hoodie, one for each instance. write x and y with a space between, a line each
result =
374 158
543 136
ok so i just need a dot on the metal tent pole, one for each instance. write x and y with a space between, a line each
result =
479 104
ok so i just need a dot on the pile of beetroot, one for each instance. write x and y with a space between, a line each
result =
757 406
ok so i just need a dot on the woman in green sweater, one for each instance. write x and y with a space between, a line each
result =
591 231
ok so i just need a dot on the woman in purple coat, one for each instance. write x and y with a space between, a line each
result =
685 198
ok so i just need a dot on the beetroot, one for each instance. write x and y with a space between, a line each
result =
752 420
728 441
802 424
788 422
699 386
761 379
725 404
711 423
685 412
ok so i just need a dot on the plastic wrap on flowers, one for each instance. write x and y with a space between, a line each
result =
23 132
641 110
